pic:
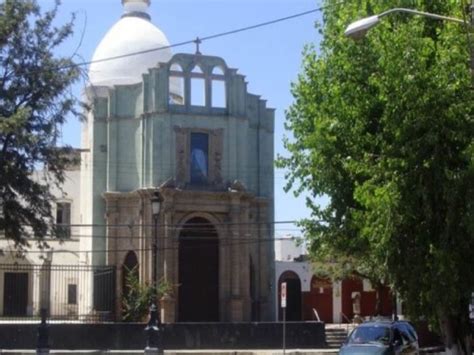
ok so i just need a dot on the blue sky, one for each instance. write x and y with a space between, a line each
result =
269 57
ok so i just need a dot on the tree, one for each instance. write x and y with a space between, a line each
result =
384 128
34 102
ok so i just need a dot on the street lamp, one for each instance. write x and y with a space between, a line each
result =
359 28
155 209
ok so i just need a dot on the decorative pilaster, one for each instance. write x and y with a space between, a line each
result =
168 303
244 259
236 304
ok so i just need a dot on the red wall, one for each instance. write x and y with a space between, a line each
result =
319 298
367 303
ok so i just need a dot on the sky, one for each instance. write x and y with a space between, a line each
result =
270 57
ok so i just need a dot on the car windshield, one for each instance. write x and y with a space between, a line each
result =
368 335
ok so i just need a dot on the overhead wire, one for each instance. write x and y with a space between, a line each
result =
218 243
205 38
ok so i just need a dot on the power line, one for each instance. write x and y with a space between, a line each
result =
75 237
206 38
172 226
219 243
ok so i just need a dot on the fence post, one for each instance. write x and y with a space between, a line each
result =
42 346
153 337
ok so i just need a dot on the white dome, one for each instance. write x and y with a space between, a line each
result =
132 33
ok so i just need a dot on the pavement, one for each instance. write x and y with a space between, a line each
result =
182 352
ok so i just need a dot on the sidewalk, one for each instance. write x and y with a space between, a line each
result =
182 352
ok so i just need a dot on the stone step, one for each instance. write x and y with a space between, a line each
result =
335 337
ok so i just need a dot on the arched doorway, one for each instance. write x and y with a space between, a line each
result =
198 294
293 296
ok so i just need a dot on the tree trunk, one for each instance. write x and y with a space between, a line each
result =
456 334
378 299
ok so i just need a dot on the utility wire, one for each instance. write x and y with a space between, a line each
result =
201 39
218 244
184 226
77 237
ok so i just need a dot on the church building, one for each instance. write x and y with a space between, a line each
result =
177 176
175 184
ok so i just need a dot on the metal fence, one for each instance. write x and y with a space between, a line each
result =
68 292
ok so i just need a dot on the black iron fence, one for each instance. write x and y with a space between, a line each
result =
68 292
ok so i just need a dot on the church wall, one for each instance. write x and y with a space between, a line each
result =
128 162
98 176
128 101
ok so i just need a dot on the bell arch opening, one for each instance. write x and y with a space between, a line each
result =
198 291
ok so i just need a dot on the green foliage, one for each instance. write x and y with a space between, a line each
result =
138 297
34 102
384 127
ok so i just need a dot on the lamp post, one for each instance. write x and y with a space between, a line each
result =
153 336
359 28
155 209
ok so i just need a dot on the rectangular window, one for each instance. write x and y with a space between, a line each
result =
199 157
198 92
63 219
72 294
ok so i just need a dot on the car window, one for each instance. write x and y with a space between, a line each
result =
368 334
411 331
408 333
407 339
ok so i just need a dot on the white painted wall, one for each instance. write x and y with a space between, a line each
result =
287 249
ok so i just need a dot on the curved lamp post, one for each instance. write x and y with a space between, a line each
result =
359 28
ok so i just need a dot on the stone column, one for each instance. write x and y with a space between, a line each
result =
168 302
236 304
111 220
265 303
245 240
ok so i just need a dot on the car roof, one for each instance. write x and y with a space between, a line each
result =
382 322
378 323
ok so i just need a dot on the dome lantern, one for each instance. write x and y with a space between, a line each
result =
137 8
133 33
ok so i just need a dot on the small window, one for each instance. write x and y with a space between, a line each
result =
198 92
63 219
197 70
72 294
199 157
176 90
217 71
218 94
176 85
176 67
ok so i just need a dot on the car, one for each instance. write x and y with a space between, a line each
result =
381 337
